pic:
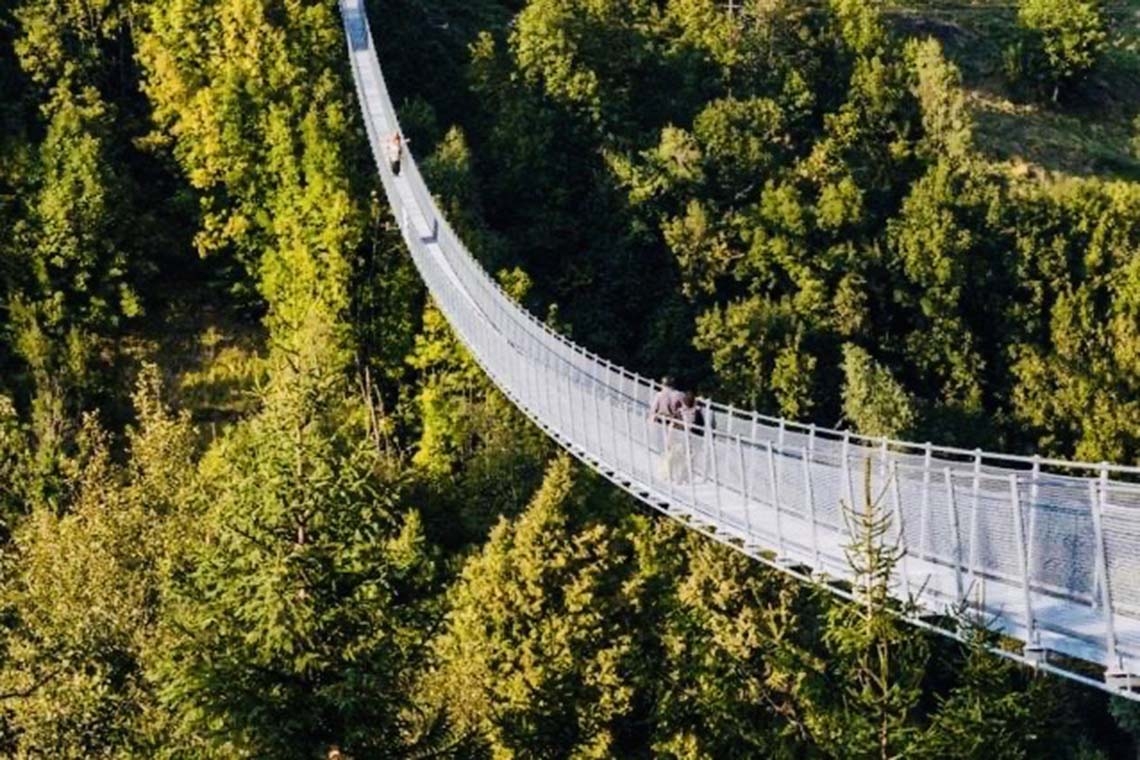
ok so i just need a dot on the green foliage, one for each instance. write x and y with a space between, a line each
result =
14 467
1076 374
541 637
1070 33
589 54
77 273
937 84
859 25
73 43
292 623
991 711
78 261
261 133
83 596
873 401
736 649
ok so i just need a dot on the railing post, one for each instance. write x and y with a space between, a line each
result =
567 418
650 426
531 373
809 497
630 404
775 494
631 449
924 517
955 528
595 388
744 487
710 443
687 431
611 399
708 451
884 468
780 449
1096 507
576 407
583 388
974 516
590 389
900 527
670 436
1034 496
847 478
1031 638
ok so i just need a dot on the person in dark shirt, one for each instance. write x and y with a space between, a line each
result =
691 414
693 420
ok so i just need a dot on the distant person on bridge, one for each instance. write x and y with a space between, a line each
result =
665 413
693 420
691 414
394 149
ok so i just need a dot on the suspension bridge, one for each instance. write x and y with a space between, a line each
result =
1045 551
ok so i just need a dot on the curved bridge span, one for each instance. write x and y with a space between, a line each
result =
1046 551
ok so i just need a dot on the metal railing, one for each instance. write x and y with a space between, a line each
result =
1047 551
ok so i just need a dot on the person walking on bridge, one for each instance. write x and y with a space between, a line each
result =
693 421
394 150
665 414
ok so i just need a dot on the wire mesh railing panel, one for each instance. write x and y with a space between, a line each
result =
1120 531
1062 545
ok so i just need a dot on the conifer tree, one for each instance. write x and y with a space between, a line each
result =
81 590
295 623
540 644
875 662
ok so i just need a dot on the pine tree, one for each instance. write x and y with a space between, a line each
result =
875 661
82 592
296 622
540 644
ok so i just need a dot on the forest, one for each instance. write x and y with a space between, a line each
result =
257 501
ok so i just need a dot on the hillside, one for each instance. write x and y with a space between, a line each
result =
1089 133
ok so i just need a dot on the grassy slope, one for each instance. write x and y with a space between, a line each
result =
1088 133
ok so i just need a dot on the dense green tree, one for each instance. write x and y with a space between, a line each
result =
75 283
946 122
253 97
991 711
590 55
873 401
1076 371
84 44
297 621
1070 33
83 592
736 645
874 660
949 250
541 640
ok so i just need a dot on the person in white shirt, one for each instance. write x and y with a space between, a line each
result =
394 149
665 413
